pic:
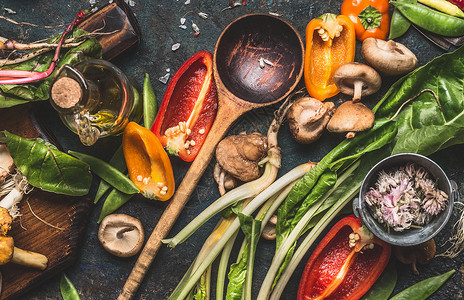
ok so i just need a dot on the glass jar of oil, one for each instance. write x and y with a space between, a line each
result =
94 99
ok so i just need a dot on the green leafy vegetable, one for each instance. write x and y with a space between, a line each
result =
241 271
115 200
108 173
422 127
68 291
149 103
422 290
117 161
383 287
339 158
11 95
48 168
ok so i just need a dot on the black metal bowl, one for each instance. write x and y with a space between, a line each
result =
412 236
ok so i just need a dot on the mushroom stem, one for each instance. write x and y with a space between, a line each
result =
120 233
358 87
221 187
29 259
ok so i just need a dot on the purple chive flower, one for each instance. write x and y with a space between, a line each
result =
405 197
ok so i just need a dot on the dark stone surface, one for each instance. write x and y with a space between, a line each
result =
99 275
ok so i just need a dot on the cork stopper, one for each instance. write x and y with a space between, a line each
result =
66 92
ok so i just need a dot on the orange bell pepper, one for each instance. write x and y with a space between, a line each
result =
371 18
148 164
330 42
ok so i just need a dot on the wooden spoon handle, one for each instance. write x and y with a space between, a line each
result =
227 114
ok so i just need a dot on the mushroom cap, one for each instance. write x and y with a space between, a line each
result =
421 253
121 235
351 116
6 249
239 155
6 162
5 221
389 58
307 118
348 74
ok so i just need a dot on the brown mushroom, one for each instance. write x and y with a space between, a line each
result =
307 118
422 254
388 57
6 162
351 117
269 230
121 235
240 154
357 79
10 253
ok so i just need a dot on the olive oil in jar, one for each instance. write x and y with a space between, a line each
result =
94 99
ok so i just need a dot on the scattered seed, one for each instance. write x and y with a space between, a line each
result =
195 27
232 4
192 142
146 180
183 26
201 131
203 15
175 46
275 14
267 62
187 2
139 178
131 3
168 70
261 63
164 79
9 10
182 21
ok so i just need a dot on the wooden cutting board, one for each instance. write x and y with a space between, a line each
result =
70 214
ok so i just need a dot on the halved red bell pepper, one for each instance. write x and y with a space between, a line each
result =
188 108
345 264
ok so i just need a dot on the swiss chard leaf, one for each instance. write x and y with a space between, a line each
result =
423 127
346 153
238 271
11 95
47 168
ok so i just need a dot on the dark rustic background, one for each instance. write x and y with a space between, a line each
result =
99 275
